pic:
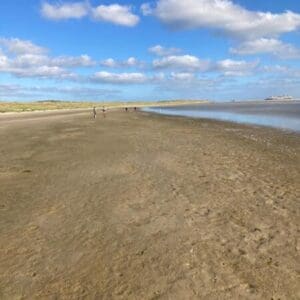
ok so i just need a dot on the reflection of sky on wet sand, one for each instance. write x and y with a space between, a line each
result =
284 116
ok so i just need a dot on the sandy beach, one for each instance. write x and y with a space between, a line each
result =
141 206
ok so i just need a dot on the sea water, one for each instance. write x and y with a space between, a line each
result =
282 115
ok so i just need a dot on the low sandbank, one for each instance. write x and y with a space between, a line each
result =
53 105
142 206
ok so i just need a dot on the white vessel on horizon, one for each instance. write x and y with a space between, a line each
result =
280 98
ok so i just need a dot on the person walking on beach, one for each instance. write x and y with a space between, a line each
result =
103 111
94 112
126 109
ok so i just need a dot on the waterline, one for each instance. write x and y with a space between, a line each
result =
286 122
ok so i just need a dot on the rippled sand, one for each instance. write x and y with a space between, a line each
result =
138 206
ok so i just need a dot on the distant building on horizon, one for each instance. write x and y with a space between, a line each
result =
280 98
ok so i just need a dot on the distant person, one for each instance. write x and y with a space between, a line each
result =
135 108
104 111
94 112
126 109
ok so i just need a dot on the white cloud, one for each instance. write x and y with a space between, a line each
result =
44 72
271 46
17 60
231 67
130 62
225 16
110 63
163 51
182 76
186 62
76 10
189 64
4 62
25 59
116 14
119 78
73 61
17 46
29 60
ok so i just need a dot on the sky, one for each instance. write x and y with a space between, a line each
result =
100 50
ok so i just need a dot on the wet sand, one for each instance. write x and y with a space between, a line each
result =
141 206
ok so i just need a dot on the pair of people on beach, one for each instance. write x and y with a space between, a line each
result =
95 112
126 109
104 110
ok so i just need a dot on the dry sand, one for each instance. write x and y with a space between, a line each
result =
138 206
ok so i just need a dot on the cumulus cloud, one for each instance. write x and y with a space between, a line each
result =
119 78
16 59
163 51
109 62
31 60
24 59
73 61
231 67
271 46
17 46
61 11
186 62
188 65
225 16
4 62
130 62
43 72
183 76
114 13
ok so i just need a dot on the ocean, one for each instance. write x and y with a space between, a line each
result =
282 115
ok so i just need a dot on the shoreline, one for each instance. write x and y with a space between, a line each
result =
140 205
143 105
261 114
64 112
253 126
108 105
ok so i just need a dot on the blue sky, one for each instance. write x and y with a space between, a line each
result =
139 50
